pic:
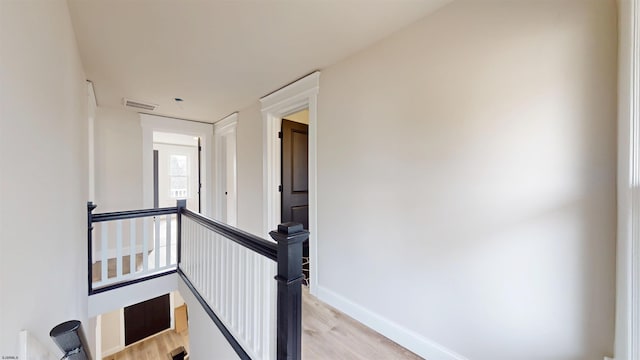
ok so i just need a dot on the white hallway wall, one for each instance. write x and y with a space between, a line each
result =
466 180
44 176
118 158
481 141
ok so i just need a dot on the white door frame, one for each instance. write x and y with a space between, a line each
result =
204 131
627 338
292 98
224 133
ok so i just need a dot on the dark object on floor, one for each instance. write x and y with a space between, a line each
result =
71 340
178 353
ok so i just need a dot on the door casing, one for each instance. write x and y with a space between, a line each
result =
292 98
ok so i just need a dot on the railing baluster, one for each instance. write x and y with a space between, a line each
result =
119 249
242 306
255 322
156 246
103 251
223 277
145 244
234 284
132 246
253 301
218 259
168 241
200 257
212 279
191 248
198 240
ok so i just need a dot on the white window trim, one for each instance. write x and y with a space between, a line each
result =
226 128
627 340
292 98
151 123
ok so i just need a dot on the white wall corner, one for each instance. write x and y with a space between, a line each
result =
409 339
225 124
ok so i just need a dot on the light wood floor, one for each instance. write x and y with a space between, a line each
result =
330 334
154 348
327 334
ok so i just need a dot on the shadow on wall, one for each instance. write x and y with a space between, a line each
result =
472 160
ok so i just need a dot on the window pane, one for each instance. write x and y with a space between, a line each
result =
178 165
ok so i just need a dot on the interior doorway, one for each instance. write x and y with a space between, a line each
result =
177 174
294 194
226 195
193 129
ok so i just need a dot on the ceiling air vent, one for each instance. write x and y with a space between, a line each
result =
139 104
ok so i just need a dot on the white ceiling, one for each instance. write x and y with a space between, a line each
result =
222 55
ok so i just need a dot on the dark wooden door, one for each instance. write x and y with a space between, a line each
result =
295 173
146 318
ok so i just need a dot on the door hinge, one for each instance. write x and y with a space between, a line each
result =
280 188
199 148
279 134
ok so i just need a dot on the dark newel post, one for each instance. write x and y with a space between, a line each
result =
181 205
290 237
90 208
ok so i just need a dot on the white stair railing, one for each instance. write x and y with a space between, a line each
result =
236 282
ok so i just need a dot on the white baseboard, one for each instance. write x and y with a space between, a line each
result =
417 343
113 350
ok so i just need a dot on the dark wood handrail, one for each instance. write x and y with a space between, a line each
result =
121 215
250 241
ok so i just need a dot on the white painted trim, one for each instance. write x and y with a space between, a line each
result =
122 328
292 98
98 334
411 340
226 128
31 348
151 123
627 339
91 117
172 310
